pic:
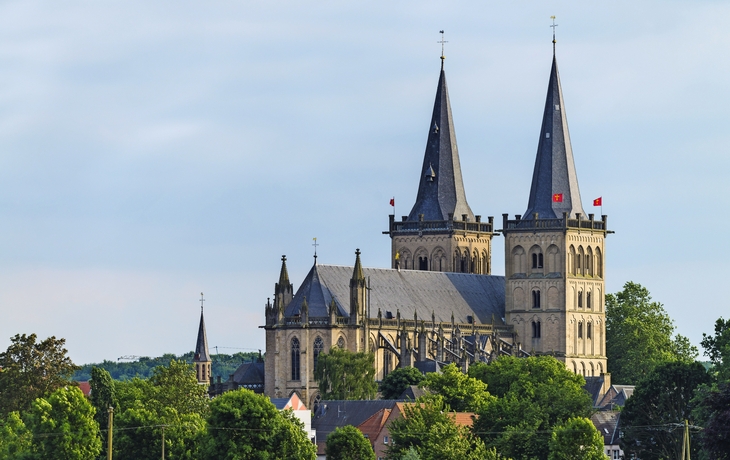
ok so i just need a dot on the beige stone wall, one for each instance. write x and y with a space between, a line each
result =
443 251
566 268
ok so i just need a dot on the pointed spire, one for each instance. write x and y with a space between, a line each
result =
284 275
441 188
554 181
201 346
357 273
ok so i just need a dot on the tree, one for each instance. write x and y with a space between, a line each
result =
430 430
15 439
398 381
459 391
576 439
63 426
532 396
714 404
102 398
717 347
31 370
342 374
639 335
171 400
244 425
348 443
652 420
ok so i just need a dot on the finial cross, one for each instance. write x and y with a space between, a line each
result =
553 26
201 301
315 244
442 45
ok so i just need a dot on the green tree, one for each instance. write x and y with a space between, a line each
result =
652 419
717 347
712 412
459 391
342 374
348 443
244 425
102 398
411 454
63 426
398 381
429 429
30 370
639 335
576 439
171 401
15 439
532 396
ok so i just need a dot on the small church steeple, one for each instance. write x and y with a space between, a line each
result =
201 357
554 181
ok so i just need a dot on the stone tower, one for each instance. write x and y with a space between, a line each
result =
441 233
554 255
201 358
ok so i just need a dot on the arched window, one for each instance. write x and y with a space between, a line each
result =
423 263
386 362
580 261
341 342
588 300
580 299
580 330
518 260
599 263
588 330
536 333
295 358
589 262
536 299
318 348
571 261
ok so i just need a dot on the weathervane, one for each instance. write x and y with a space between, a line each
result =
443 56
201 302
553 26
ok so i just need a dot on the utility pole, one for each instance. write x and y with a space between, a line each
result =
163 442
110 434
685 442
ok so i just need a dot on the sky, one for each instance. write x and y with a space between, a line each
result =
151 151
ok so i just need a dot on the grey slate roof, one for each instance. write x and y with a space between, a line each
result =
606 422
554 171
201 346
410 291
249 374
441 189
329 415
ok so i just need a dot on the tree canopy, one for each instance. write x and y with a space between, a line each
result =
639 335
32 369
531 396
429 429
243 425
348 443
717 347
398 381
652 419
576 439
712 411
459 391
342 374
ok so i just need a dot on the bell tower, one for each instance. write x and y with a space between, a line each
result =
441 233
554 255
201 358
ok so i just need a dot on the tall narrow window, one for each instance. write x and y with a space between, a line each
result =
536 333
318 348
580 299
423 263
539 260
536 299
386 362
295 358
580 330
588 331
588 300
534 260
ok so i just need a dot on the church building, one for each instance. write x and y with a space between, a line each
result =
439 303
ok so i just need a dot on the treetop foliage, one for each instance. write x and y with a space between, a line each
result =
717 347
342 374
459 391
348 443
639 335
576 439
398 381
32 369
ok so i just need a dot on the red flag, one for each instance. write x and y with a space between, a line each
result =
558 197
392 202
598 201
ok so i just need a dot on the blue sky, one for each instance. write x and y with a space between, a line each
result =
153 150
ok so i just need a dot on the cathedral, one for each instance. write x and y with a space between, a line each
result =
438 303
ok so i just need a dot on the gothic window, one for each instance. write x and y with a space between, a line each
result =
386 363
536 333
423 263
580 330
537 260
341 342
485 263
579 261
572 261
588 331
589 262
295 358
535 299
318 348
518 260
580 299
588 300
599 263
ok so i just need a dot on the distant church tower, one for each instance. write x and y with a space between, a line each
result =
441 233
201 358
554 255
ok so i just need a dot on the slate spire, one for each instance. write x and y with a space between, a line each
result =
201 346
284 275
554 181
441 189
